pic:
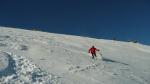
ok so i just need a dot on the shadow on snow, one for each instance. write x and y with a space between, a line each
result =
109 60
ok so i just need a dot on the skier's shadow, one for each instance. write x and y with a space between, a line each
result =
109 60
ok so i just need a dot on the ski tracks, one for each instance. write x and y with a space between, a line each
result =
97 64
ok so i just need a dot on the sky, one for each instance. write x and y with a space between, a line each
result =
103 19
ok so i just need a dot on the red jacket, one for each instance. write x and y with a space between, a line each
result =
93 50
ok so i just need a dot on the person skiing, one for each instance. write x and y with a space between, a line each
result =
93 50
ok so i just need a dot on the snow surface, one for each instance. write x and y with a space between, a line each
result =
33 57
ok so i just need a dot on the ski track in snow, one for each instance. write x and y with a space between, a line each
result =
39 58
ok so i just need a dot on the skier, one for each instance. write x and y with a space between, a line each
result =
93 50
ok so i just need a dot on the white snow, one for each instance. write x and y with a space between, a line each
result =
33 57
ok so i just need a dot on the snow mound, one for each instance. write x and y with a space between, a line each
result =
6 64
19 70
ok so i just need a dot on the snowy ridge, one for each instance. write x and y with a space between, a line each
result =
33 57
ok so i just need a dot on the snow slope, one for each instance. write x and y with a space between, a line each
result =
33 57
